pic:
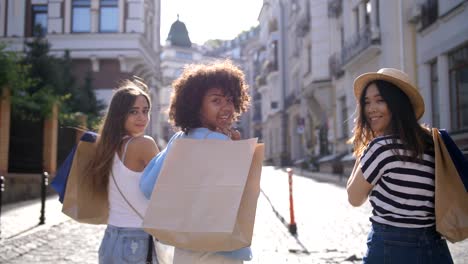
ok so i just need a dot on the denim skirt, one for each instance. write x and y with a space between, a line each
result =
390 244
124 245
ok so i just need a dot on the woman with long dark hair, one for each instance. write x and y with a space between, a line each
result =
395 170
123 151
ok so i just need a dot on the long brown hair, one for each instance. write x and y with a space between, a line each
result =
404 124
111 133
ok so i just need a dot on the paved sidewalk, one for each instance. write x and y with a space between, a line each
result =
22 218
329 230
458 250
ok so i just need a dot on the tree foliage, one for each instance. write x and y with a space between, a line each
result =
13 74
36 101
39 80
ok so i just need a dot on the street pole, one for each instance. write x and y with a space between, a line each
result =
44 183
292 221
2 188
284 160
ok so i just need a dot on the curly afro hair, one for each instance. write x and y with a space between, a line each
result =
195 81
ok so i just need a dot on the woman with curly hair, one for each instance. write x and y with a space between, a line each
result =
206 101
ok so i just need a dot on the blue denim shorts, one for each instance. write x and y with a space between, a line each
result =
124 245
390 244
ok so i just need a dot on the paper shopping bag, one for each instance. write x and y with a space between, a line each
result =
206 195
59 182
79 203
451 199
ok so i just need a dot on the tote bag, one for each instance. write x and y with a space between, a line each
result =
61 177
206 195
79 203
451 199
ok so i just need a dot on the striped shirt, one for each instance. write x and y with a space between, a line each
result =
403 192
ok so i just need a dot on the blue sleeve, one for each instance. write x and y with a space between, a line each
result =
151 173
217 135
241 254
152 170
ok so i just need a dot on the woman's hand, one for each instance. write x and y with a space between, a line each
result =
232 133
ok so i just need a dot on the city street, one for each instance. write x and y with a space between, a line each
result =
329 230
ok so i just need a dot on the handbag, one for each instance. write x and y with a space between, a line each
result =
59 183
451 198
206 207
80 203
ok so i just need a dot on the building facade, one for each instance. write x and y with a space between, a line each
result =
107 40
179 51
442 64
312 50
176 54
111 39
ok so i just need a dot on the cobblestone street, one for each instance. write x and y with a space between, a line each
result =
329 230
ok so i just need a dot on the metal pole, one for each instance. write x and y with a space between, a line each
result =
292 222
284 160
44 183
2 188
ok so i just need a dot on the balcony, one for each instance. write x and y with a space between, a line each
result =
429 13
334 8
335 63
361 42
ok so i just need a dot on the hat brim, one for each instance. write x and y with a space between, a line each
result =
411 91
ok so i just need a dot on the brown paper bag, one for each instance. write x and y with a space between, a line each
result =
78 203
205 198
451 199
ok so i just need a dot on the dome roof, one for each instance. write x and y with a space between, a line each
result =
178 35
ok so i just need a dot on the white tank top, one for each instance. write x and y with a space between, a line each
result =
120 213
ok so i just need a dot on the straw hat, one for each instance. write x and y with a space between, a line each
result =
396 77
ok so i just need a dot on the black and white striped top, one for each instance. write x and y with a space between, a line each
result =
403 192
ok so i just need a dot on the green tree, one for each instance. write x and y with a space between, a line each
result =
87 102
36 101
54 83
13 74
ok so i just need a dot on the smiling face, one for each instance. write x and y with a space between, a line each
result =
217 110
138 117
376 111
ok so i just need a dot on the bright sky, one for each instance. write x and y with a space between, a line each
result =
210 19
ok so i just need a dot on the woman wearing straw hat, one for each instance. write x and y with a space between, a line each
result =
395 169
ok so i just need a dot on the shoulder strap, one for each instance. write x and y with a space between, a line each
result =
125 149
123 196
